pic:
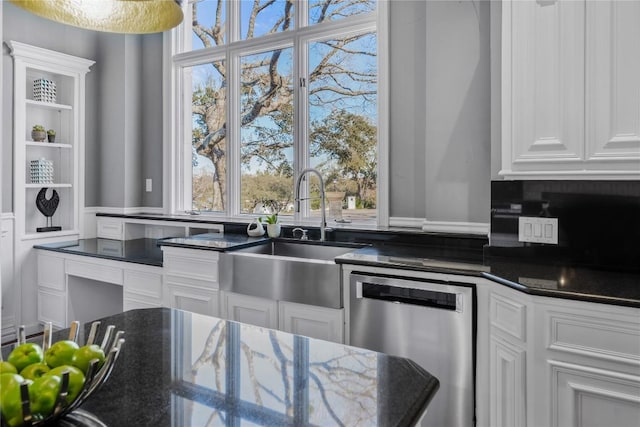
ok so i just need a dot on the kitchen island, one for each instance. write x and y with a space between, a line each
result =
182 369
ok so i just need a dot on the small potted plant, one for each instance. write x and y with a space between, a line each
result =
38 133
273 226
51 135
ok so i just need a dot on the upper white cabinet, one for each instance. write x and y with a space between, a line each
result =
49 90
571 89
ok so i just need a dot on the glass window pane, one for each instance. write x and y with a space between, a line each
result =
343 123
331 10
208 23
266 133
262 17
209 137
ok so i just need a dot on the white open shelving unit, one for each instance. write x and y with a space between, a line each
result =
66 117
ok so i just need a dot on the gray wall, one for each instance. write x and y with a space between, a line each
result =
22 26
440 130
119 124
440 139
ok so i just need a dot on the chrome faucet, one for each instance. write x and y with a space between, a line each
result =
323 223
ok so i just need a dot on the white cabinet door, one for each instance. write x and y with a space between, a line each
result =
248 309
507 384
583 396
311 321
543 92
613 82
570 89
142 289
194 299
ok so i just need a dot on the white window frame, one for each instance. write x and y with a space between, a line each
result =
176 160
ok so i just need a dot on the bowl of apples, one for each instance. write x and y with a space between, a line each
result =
40 384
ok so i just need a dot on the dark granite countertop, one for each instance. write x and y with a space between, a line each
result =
524 274
148 251
182 369
139 251
559 281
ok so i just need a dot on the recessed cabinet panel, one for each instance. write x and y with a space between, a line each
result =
507 385
315 322
143 283
570 89
587 397
251 310
548 81
613 82
508 316
52 307
612 340
51 272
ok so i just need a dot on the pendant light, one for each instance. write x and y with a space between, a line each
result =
115 16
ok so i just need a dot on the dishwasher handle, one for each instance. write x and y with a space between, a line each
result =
408 295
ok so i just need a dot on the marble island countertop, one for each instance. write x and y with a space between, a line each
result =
183 369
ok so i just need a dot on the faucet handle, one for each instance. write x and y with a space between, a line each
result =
304 233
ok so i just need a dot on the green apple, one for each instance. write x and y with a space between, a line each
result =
60 353
10 402
85 355
25 355
7 368
34 371
43 394
76 380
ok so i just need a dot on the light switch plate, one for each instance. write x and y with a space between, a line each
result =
148 185
538 230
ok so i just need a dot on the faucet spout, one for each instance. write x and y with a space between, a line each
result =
323 221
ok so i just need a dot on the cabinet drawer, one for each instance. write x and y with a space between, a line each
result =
146 284
51 272
509 316
612 339
110 229
93 271
197 264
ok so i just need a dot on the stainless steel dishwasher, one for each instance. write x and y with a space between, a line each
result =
428 321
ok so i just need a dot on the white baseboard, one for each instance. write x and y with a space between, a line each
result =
423 224
406 222
123 211
479 228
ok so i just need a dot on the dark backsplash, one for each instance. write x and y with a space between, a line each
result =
598 221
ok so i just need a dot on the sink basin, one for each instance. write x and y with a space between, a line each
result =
297 271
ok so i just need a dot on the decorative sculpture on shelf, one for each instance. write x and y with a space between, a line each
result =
47 207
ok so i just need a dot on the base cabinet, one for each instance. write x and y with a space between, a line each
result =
302 319
191 298
249 309
555 362
191 280
584 396
74 287
315 322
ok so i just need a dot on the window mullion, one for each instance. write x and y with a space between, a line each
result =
233 189
302 137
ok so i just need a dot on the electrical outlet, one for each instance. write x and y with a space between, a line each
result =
538 230
148 184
